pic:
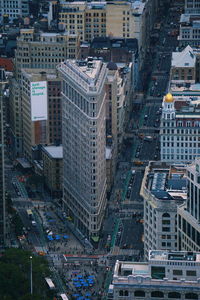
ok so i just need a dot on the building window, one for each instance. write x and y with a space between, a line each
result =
123 293
166 229
139 294
157 294
177 272
157 272
192 296
166 215
174 295
191 273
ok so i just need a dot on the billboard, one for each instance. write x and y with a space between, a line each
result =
38 101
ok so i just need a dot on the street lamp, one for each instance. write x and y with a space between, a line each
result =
31 275
3 82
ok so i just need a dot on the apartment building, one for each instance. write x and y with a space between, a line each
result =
13 9
44 50
3 215
179 129
15 110
192 7
183 66
189 212
41 122
166 275
163 188
72 14
84 143
95 20
39 51
52 158
189 31
99 19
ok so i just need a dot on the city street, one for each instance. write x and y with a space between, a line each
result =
50 233
141 145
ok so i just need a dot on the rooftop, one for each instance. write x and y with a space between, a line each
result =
54 151
166 182
174 255
111 42
88 73
185 58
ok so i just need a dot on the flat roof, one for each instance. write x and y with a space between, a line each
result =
54 151
24 163
126 268
174 255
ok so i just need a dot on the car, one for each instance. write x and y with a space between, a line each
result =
131 180
33 223
133 172
138 163
148 138
155 156
137 154
146 117
128 194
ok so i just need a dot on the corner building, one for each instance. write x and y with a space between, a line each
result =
167 275
84 143
189 212
180 129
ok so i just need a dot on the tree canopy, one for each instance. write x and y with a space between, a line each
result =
15 276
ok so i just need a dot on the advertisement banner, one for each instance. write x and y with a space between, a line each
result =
39 101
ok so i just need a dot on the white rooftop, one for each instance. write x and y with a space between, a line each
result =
185 58
108 153
185 18
54 151
138 6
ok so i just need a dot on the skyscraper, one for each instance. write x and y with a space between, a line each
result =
84 143
2 174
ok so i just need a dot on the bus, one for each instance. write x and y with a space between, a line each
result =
30 214
50 283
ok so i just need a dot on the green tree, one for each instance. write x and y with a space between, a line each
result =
15 276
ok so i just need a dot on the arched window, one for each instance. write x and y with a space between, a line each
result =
166 215
139 294
174 295
157 294
192 296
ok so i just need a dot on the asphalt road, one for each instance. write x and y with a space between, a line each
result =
144 119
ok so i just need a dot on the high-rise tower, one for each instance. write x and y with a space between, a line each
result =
2 173
84 143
